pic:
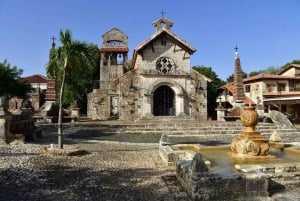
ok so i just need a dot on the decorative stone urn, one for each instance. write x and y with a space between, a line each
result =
250 142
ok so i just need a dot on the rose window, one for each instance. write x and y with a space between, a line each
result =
165 65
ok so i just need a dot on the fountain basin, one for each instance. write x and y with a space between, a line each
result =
229 176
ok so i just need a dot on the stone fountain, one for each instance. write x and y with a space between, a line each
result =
258 171
250 144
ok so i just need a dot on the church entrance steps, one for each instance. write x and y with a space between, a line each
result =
209 129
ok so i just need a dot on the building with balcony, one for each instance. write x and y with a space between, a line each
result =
269 91
35 98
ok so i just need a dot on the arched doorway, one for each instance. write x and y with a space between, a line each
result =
163 101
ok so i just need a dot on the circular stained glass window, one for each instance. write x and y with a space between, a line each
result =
165 65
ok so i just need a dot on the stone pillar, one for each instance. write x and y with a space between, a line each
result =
3 117
180 104
238 93
148 105
221 111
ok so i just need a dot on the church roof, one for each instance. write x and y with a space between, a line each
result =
115 34
163 27
288 67
114 49
185 45
182 43
265 76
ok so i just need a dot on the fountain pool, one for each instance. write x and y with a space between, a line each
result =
219 159
248 168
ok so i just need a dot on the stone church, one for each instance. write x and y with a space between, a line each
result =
157 82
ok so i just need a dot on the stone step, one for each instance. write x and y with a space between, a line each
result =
209 128
196 132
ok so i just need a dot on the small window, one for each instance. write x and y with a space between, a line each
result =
281 87
248 88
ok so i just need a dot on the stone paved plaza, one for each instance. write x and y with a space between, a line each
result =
110 171
116 167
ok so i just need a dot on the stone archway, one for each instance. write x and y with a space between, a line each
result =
164 101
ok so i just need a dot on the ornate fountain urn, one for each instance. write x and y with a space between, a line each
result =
250 142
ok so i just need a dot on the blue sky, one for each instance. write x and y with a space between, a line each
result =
267 32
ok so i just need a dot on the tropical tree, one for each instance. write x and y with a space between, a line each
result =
10 81
80 82
68 59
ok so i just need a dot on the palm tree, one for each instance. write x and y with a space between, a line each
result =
69 57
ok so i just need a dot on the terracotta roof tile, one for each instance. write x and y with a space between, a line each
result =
288 67
269 76
230 88
34 79
114 49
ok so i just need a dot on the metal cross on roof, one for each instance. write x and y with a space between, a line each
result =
162 13
236 48
53 41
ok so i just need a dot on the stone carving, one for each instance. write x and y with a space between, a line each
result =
275 137
198 164
250 142
280 118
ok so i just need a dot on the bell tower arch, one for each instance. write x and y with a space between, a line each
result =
113 56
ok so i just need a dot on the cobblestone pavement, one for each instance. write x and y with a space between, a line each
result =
110 171
117 167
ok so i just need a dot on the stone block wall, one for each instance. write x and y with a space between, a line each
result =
219 187
98 104
281 175
147 60
129 99
198 102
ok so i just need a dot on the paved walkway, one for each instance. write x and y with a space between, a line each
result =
111 171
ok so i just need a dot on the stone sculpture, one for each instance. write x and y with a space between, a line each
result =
250 142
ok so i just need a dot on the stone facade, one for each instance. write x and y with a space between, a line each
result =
160 81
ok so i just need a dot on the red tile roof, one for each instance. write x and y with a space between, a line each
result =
34 79
288 67
230 88
270 76
114 49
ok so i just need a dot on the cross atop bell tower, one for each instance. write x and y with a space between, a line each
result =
162 12
162 23
53 42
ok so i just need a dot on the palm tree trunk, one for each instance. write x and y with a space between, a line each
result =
60 114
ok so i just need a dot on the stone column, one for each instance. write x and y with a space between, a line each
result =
221 113
3 117
180 104
238 93
148 105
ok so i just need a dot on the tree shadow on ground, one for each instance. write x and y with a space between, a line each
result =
69 183
90 134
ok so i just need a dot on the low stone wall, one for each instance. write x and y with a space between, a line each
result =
207 186
250 181
281 176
